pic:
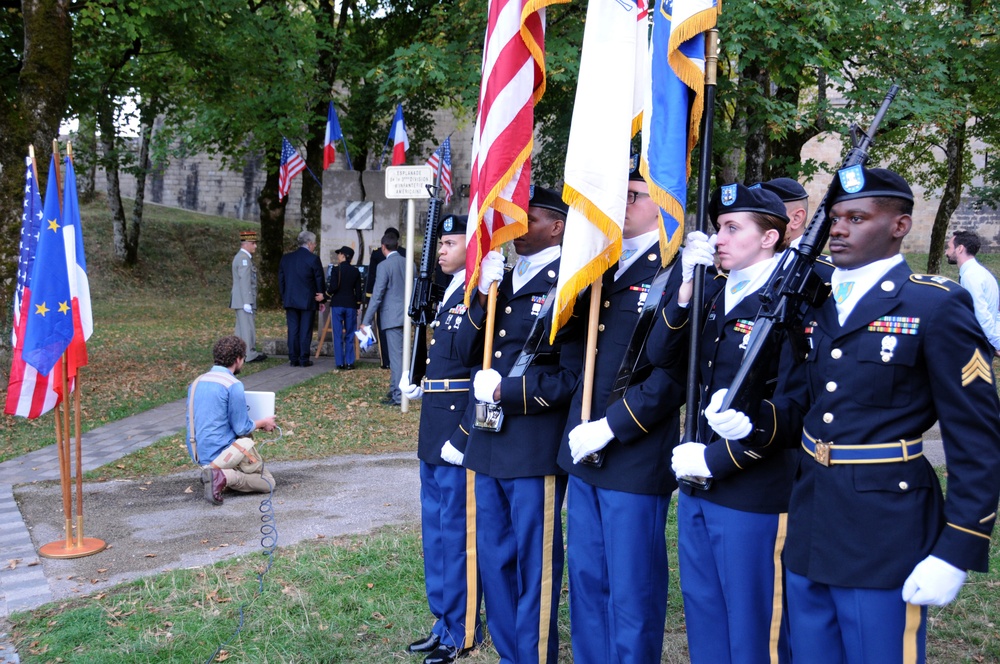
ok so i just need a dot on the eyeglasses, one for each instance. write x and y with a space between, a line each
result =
632 196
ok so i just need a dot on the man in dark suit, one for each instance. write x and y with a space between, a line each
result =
617 508
447 500
373 262
300 282
345 293
387 301
519 486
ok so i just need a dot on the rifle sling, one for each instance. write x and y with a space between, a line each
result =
630 368
535 338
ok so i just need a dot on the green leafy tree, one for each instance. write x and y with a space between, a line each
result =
35 65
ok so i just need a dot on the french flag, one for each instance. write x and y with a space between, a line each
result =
333 133
79 283
400 143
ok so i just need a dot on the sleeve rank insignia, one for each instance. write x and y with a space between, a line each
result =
977 367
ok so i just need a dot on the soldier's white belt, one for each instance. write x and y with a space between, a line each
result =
829 454
446 385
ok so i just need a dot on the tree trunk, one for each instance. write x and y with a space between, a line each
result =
272 231
132 238
33 117
312 191
109 158
329 63
950 197
755 155
85 158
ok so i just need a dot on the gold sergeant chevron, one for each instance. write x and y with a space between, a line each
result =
977 367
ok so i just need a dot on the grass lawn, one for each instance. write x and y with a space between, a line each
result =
356 599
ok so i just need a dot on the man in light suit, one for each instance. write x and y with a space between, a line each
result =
300 282
387 302
244 297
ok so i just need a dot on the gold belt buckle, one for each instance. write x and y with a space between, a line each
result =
823 453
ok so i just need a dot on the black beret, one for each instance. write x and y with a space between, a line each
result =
859 182
454 224
548 199
787 189
346 251
737 198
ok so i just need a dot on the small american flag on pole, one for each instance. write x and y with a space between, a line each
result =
29 394
442 157
291 165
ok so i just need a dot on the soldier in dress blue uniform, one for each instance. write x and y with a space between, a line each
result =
732 529
871 540
447 499
616 512
519 486
796 201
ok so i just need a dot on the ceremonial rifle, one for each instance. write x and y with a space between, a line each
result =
793 288
426 294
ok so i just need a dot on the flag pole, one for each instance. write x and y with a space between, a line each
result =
591 349
66 477
701 224
76 428
491 319
347 153
81 546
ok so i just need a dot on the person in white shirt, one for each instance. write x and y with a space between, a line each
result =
980 282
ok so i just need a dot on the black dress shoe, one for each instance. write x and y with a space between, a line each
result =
307 363
445 655
427 644
260 358
295 364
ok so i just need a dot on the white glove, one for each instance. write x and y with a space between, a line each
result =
247 308
485 384
933 581
451 455
730 424
589 437
698 250
688 460
490 270
409 390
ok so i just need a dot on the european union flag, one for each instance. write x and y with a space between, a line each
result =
49 327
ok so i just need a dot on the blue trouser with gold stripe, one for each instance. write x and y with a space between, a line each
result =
448 517
617 558
732 583
835 625
519 532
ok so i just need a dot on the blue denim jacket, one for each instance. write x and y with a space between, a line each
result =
218 411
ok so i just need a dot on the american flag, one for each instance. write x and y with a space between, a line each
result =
513 82
28 393
291 165
443 156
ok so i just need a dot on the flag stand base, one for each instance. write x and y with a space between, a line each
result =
88 546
